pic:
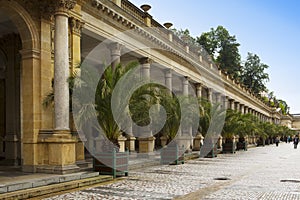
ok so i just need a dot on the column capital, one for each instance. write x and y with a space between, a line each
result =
48 8
114 46
145 60
199 85
168 72
185 80
64 5
76 25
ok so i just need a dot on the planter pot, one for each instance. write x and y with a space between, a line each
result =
111 163
242 146
172 154
229 147
261 142
208 150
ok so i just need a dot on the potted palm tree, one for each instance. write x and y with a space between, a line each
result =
233 126
248 125
211 119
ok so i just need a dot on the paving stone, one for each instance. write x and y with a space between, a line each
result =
259 173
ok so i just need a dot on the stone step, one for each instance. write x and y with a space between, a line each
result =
50 186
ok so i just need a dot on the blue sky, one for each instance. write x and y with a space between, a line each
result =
268 28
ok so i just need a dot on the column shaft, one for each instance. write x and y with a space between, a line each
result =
61 71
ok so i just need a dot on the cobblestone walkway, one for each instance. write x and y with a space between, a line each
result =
260 173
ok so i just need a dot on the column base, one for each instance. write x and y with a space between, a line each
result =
184 141
130 143
146 145
57 169
198 142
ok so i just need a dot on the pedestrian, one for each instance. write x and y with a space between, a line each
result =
296 141
277 141
288 139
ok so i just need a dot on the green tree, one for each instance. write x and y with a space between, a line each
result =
224 49
253 74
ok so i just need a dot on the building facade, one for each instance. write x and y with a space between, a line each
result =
43 40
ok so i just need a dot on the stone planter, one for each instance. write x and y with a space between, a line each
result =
198 142
111 163
229 147
209 149
261 142
242 143
172 154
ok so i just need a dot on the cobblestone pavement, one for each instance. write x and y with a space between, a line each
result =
260 173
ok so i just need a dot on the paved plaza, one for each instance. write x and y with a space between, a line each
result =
268 172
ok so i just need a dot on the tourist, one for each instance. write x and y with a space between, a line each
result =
296 141
277 141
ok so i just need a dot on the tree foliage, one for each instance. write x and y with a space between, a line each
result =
224 49
253 74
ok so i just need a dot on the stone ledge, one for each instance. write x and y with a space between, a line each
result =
55 179
45 190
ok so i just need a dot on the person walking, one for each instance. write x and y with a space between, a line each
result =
277 141
296 141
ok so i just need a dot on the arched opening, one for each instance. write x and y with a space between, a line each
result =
10 119
19 57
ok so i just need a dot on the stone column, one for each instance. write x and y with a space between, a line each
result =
226 103
242 108
236 106
130 142
115 50
61 69
187 132
218 99
231 104
246 109
209 95
168 79
61 145
146 142
199 90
